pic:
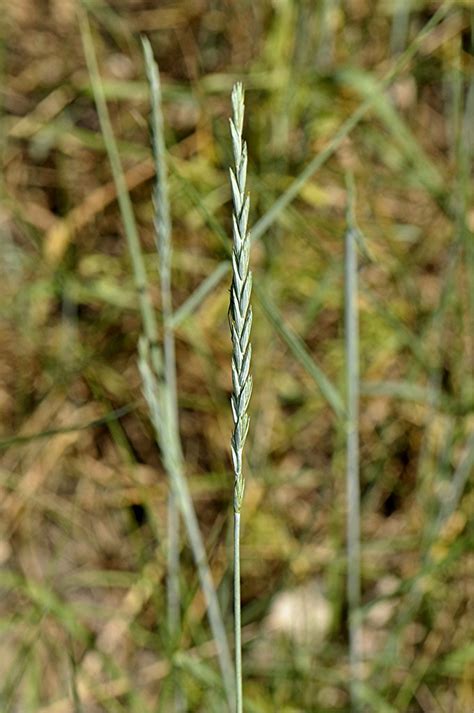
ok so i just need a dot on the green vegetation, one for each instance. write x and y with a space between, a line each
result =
115 379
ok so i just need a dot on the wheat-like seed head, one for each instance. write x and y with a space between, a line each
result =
240 311
162 219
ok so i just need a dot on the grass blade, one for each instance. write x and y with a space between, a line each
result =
199 295
300 351
351 331
123 197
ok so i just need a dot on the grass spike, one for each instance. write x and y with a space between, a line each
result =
163 237
240 319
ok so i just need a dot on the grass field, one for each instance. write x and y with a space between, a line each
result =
381 90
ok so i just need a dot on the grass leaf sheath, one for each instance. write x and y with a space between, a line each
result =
240 319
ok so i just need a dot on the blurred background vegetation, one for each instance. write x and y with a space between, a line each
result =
83 491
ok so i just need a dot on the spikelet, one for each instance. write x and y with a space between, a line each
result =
240 311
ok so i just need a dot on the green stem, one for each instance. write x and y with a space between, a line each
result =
163 239
174 466
352 453
237 620
150 327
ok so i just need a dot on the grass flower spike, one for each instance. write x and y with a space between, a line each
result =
240 318
240 311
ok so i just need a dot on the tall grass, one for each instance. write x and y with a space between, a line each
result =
158 374
240 318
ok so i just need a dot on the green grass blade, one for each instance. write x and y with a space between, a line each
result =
351 349
199 295
367 86
301 353
123 197
107 418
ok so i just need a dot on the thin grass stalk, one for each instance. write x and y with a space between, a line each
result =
301 352
109 417
240 319
174 466
237 618
152 371
352 448
163 240
466 186
455 491
74 693
131 233
200 293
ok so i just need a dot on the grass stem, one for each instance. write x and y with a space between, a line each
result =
163 240
237 617
352 454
